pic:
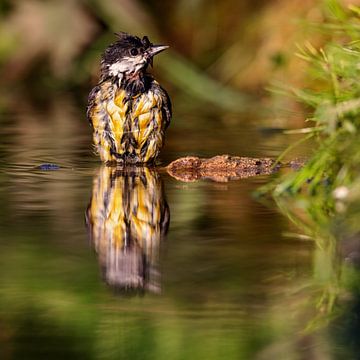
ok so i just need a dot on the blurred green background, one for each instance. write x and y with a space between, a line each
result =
222 56
222 53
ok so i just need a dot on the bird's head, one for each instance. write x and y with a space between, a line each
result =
129 55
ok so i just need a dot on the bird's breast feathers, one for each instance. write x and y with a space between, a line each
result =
125 124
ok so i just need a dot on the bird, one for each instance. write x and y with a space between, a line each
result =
128 109
127 219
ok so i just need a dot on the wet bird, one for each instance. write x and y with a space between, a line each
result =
128 109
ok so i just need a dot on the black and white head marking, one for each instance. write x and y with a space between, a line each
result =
128 56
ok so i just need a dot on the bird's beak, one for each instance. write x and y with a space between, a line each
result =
155 49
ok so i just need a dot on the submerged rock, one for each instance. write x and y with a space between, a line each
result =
48 167
221 168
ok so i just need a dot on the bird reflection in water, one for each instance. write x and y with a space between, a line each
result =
127 219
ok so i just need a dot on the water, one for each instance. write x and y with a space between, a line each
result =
207 274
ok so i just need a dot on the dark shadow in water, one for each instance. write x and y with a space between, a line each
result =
38 338
345 333
127 219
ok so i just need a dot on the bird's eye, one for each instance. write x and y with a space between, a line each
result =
134 52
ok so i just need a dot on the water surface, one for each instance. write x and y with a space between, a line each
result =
206 273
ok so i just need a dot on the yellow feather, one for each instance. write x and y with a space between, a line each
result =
123 207
111 117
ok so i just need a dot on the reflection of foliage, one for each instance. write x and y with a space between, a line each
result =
333 290
313 221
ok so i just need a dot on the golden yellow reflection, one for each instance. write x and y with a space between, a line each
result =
127 218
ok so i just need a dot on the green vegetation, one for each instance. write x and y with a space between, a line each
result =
218 52
332 172
322 199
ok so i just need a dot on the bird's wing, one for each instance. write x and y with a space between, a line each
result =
166 107
91 103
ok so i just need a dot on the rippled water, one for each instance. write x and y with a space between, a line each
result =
104 264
